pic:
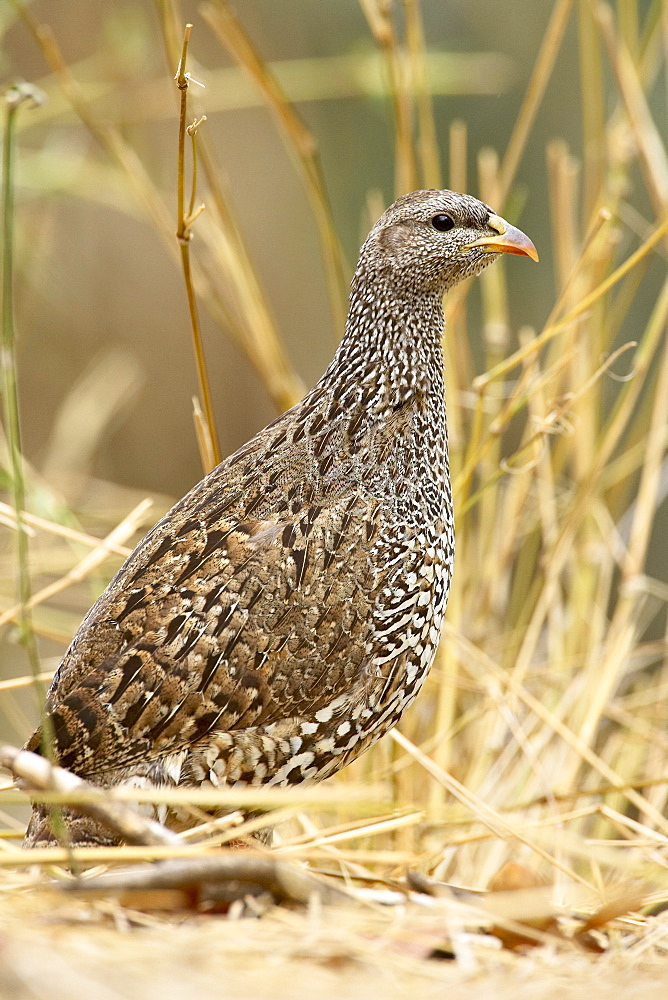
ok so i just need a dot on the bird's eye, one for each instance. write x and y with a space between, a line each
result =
443 223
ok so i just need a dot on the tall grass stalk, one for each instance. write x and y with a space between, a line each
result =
381 20
15 98
229 32
208 435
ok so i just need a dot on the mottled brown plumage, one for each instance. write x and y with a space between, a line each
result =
285 612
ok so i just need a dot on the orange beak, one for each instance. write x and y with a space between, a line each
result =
509 240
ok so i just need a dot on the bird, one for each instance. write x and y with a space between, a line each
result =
285 612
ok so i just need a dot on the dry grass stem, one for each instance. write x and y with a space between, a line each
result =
90 562
229 32
543 67
39 775
381 20
209 444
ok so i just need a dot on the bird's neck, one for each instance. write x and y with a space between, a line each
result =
393 342
385 386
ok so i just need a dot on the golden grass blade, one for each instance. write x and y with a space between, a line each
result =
26 681
229 32
651 149
14 99
592 83
572 739
498 825
542 71
427 140
380 18
556 327
127 527
61 530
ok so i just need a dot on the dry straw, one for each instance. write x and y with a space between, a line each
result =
541 729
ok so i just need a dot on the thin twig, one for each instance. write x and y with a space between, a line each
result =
40 775
284 880
211 456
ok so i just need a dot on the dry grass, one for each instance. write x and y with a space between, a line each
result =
540 736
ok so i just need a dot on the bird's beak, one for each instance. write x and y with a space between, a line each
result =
509 240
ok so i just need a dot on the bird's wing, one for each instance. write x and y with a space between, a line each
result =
217 624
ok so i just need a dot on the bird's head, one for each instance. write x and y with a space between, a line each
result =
430 240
